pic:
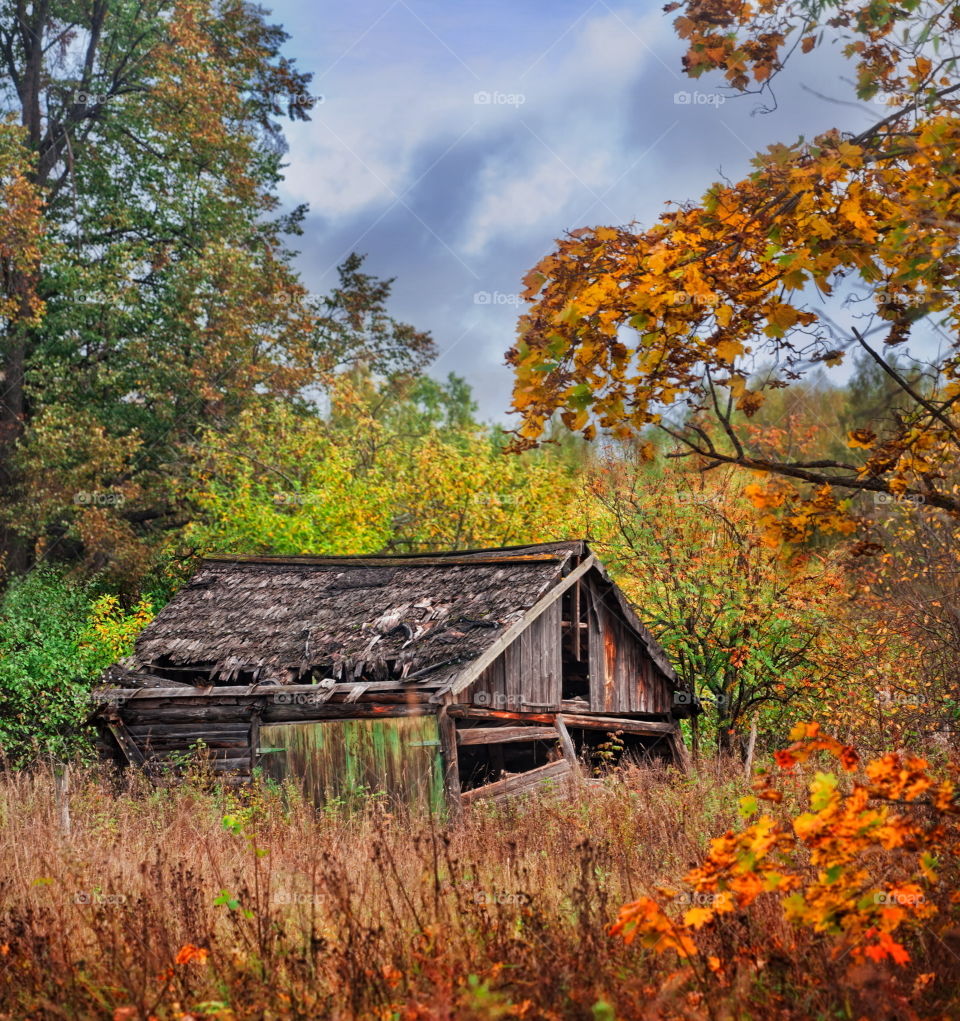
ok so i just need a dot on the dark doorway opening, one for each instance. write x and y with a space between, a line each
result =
574 617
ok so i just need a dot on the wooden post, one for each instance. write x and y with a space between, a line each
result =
125 742
751 745
61 789
254 738
575 621
566 743
679 751
447 728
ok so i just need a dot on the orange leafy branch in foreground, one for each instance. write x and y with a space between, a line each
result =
862 870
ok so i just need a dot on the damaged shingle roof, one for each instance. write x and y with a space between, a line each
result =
283 619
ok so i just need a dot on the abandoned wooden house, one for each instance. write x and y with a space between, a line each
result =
454 676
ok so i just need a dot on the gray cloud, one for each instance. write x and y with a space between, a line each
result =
458 198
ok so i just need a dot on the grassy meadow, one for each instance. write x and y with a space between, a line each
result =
128 900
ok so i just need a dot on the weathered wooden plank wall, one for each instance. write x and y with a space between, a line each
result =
624 679
526 677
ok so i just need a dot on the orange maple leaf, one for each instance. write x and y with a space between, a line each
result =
189 952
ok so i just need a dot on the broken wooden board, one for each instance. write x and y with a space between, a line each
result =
615 724
522 783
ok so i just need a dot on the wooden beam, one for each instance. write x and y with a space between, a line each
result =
465 712
155 744
519 784
580 707
284 691
124 678
575 621
464 679
566 743
353 711
505 735
179 712
398 561
447 728
142 731
125 742
613 723
254 738
680 754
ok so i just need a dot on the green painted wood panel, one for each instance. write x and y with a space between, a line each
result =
348 762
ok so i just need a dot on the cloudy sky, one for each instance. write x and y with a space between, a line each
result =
454 142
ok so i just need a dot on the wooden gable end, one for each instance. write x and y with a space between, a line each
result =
623 676
582 646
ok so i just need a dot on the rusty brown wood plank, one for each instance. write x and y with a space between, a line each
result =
505 735
464 712
613 723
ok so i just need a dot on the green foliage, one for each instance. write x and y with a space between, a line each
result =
169 298
56 637
376 473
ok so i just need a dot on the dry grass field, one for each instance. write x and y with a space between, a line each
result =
181 901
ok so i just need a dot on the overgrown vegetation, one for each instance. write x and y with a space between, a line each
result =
258 906
169 388
56 638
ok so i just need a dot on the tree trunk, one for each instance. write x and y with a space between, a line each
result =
14 551
725 733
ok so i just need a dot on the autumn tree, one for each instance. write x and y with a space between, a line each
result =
679 324
20 303
745 626
360 478
152 137
910 591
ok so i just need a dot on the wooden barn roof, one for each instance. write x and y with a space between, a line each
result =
430 616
